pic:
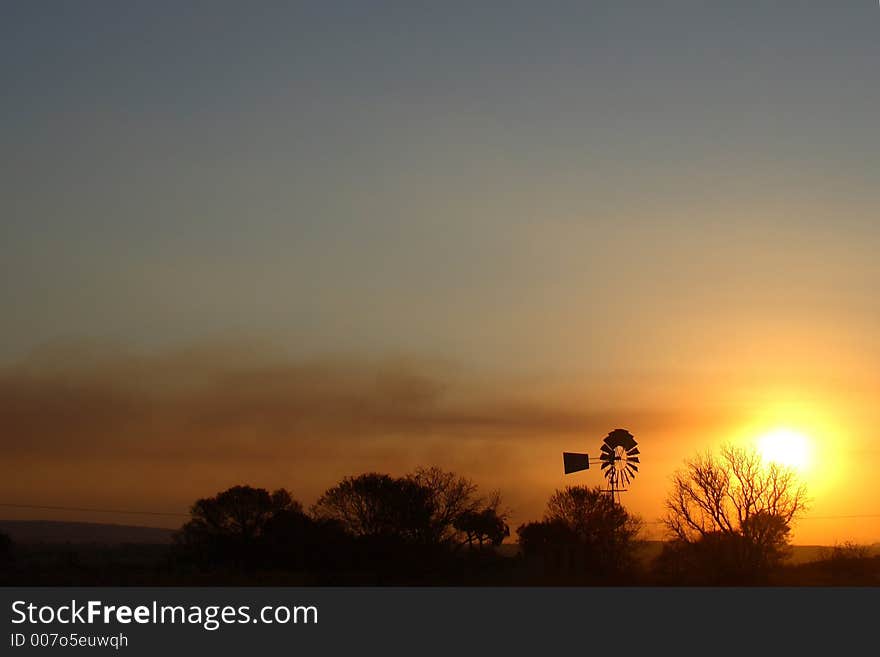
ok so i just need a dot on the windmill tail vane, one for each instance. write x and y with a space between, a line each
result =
618 458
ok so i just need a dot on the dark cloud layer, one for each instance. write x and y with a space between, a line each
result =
166 428
142 409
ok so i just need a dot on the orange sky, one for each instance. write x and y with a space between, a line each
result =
154 431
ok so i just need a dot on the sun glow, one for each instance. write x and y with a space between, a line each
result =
786 447
802 430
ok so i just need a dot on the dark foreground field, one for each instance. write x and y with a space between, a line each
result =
80 554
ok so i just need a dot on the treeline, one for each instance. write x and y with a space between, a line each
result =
430 526
372 524
728 519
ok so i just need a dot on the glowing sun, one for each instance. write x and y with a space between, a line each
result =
786 447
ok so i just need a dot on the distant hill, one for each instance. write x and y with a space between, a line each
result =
52 531
807 553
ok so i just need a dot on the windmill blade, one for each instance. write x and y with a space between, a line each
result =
633 452
575 462
620 438
606 464
633 459
633 466
606 449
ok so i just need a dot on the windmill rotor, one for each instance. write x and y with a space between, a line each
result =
619 455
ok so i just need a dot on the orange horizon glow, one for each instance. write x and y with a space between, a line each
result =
217 420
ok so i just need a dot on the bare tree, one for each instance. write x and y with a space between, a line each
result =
735 499
713 494
453 497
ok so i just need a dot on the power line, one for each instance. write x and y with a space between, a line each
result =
74 508
865 515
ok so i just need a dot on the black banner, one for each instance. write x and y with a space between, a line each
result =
236 621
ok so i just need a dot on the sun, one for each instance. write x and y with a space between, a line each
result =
786 447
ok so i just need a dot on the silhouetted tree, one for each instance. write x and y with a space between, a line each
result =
450 495
379 506
536 538
846 551
767 539
736 510
292 539
602 526
5 547
482 527
229 525
586 529
849 563
453 496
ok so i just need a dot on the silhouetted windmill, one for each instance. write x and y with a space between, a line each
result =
619 456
